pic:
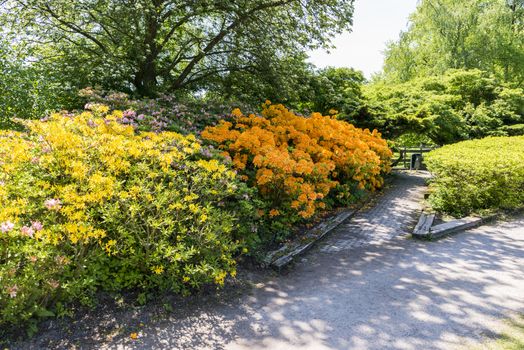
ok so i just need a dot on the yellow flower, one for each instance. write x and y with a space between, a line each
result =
158 269
110 247
220 278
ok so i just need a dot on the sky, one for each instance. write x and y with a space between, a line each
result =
375 22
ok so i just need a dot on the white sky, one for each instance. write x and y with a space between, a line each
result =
375 22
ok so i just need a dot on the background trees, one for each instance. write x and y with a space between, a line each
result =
444 34
151 46
457 105
457 72
28 90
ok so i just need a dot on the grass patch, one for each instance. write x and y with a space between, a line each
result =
512 337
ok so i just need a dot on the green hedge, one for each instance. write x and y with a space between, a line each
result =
478 174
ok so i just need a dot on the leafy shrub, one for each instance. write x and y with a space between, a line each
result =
301 164
513 130
458 105
478 174
165 113
88 204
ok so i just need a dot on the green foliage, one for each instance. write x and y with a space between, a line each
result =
458 105
466 34
88 204
478 174
455 74
513 130
297 84
335 89
161 46
27 91
412 139
284 79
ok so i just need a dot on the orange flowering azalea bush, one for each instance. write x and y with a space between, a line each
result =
301 164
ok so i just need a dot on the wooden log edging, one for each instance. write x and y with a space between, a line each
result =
283 256
424 224
450 227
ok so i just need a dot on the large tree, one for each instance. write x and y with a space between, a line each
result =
164 45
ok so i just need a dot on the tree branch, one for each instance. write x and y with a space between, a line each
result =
221 35
74 28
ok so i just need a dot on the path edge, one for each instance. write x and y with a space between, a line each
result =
278 261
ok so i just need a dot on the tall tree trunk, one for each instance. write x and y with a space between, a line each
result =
146 79
146 76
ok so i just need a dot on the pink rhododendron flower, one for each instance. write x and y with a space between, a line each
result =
53 204
12 291
27 231
62 260
129 113
37 225
6 226
54 284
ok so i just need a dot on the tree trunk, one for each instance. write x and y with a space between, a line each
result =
146 79
146 76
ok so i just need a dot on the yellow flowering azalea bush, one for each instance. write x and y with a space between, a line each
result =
87 203
300 164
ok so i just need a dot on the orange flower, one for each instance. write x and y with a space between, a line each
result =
296 161
274 212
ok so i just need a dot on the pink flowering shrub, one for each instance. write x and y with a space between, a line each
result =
164 113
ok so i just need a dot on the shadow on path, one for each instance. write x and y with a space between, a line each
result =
367 286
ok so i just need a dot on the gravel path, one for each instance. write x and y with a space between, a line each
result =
366 286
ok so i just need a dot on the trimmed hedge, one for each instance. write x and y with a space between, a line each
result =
478 174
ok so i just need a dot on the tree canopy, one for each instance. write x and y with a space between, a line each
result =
466 34
150 46
458 105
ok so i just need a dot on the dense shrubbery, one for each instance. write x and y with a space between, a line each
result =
165 113
89 204
478 174
301 164
459 105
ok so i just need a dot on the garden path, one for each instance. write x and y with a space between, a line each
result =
367 285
